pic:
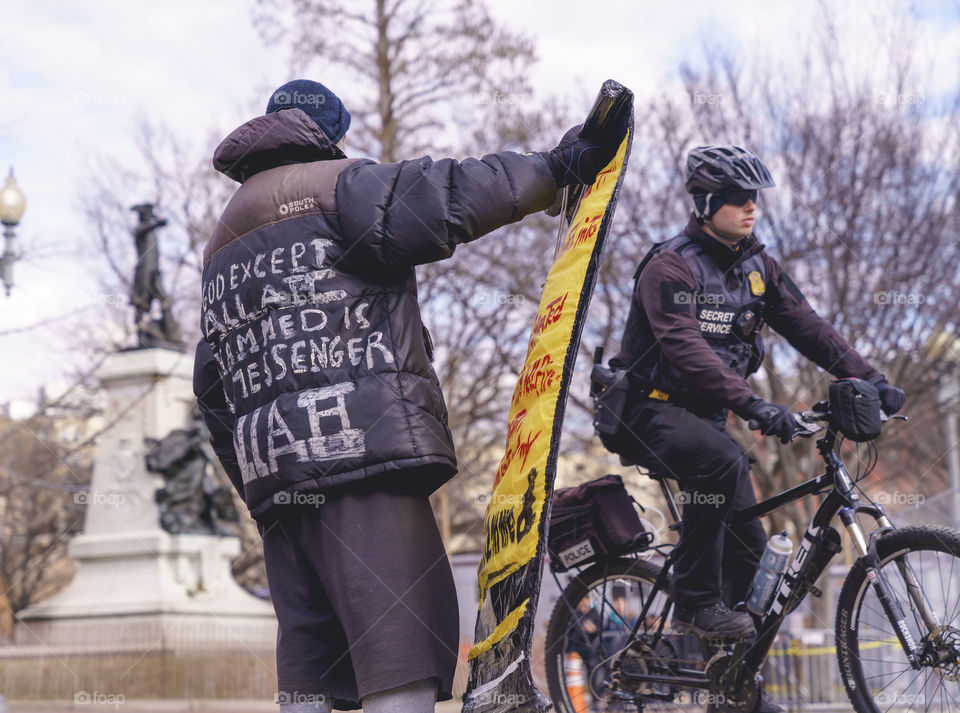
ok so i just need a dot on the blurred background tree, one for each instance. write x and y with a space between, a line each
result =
43 473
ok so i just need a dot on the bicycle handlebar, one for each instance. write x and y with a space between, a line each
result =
806 421
805 427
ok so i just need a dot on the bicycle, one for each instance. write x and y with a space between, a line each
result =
888 659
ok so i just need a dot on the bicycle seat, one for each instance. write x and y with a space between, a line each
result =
650 472
655 475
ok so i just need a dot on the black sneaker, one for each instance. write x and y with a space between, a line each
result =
713 622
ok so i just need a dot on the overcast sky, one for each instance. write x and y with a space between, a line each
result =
78 76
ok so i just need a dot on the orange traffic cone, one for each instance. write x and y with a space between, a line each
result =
576 680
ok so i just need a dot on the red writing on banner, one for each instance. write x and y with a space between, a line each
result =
518 449
609 172
535 378
514 424
550 315
581 232
523 448
601 179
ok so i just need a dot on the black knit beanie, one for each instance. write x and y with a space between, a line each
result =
319 103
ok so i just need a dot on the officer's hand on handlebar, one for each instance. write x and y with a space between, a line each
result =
892 399
771 419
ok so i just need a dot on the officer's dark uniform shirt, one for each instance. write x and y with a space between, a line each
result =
674 338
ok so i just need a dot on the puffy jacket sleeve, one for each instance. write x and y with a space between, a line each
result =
789 313
208 388
414 212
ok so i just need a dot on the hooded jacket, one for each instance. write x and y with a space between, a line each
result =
314 366
681 335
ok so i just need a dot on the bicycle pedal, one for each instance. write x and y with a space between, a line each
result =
716 667
711 638
727 647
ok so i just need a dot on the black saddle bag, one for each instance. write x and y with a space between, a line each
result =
592 521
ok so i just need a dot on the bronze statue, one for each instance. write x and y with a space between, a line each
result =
147 285
194 498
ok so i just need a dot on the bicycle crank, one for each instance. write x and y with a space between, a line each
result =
747 700
723 672
638 660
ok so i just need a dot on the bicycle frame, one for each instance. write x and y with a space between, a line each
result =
812 557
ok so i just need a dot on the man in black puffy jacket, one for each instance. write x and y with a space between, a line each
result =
314 378
691 339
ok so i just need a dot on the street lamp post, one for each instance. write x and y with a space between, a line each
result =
12 205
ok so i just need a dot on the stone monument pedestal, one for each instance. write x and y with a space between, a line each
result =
146 586
138 589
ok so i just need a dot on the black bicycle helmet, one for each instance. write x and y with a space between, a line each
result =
723 169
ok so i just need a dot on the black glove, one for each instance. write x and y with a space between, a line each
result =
892 399
773 419
578 158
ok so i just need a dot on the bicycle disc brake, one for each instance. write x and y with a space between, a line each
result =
945 641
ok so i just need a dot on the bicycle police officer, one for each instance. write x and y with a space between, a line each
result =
691 338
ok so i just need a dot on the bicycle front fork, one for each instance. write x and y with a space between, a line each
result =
888 600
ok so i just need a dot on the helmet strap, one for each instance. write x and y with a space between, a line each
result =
699 214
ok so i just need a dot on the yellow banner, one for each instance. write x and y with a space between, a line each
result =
518 498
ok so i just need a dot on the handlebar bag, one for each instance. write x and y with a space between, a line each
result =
591 521
855 405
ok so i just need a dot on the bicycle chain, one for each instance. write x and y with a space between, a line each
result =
712 651
715 663
663 659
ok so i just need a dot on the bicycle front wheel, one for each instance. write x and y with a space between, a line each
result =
590 625
874 667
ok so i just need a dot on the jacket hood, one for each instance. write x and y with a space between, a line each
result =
277 139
